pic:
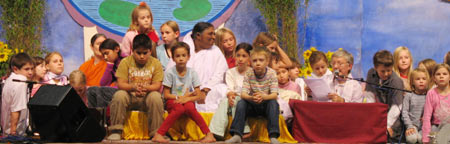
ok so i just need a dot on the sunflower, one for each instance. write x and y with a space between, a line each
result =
300 72
4 48
307 54
329 54
307 71
313 49
4 57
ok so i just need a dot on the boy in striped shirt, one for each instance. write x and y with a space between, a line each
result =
259 97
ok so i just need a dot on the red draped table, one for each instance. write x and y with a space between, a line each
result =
339 122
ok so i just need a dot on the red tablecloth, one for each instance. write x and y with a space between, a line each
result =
339 122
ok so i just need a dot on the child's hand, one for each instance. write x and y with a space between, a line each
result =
139 90
231 96
410 131
202 100
390 132
187 93
109 62
308 90
140 94
257 97
138 87
183 99
335 98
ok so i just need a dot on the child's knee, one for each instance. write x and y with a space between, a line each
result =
272 103
121 96
154 98
190 106
178 108
413 138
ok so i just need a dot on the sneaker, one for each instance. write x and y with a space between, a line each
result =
114 136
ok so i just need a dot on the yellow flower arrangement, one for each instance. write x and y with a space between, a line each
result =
300 72
329 54
5 54
306 70
307 54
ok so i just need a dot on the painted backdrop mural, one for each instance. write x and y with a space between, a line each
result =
361 27
114 16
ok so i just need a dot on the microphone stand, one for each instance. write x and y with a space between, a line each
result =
373 84
30 128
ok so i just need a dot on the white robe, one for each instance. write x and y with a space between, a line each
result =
210 65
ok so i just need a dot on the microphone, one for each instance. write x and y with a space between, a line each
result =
25 81
336 73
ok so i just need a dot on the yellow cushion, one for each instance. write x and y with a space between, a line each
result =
136 126
186 129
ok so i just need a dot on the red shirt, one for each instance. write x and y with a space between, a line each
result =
152 35
231 62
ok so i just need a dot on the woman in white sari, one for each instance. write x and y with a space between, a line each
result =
209 63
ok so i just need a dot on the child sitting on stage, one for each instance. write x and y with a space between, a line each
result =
319 65
294 72
77 80
259 97
14 96
381 74
55 65
139 79
234 78
437 104
181 90
413 104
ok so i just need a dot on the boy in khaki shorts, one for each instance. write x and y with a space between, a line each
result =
139 79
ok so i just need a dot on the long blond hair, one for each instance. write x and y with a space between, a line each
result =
397 57
173 25
134 26
414 73
220 35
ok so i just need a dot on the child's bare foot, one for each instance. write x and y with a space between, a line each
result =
247 135
209 138
159 138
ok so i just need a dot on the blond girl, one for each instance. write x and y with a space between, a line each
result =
402 64
141 22
413 104
226 41
54 63
169 34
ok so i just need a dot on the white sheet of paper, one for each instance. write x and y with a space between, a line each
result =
319 88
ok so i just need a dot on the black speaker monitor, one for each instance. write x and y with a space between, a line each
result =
60 115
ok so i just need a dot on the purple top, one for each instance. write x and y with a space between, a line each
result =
109 75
